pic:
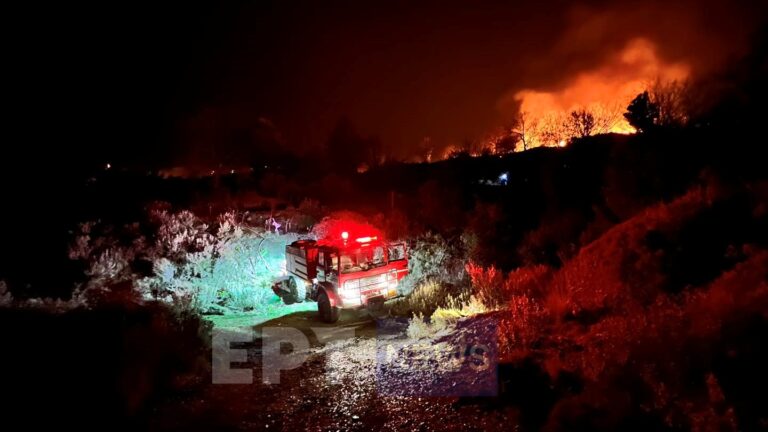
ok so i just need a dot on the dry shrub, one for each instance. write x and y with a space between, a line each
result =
665 328
530 280
606 319
419 328
586 283
668 345
459 307
519 295
495 290
433 258
487 283
520 327
742 290
423 300
190 264
613 287
443 318
618 268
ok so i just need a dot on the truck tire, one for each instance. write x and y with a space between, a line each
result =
376 309
291 294
328 313
298 290
301 292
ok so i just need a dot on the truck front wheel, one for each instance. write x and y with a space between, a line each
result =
328 313
288 291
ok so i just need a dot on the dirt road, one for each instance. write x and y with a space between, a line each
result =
338 386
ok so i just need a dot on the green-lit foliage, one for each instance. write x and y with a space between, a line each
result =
216 267
433 258
229 270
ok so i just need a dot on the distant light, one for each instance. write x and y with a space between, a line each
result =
365 239
232 172
562 143
503 179
345 235
109 166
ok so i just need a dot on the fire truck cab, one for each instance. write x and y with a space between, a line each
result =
342 273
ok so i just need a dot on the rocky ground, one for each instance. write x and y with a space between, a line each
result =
359 374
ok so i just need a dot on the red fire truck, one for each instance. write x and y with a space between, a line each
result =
342 273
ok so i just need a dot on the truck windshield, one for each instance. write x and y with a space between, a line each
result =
362 259
396 252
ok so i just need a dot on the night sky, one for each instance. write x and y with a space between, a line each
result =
148 84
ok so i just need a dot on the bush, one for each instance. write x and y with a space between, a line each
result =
231 269
487 283
444 318
619 268
194 266
179 234
495 290
433 258
424 299
419 328
436 276
605 324
105 254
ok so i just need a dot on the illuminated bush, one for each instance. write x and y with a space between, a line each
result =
433 258
106 259
212 268
435 275
520 327
487 282
444 318
81 247
242 271
109 265
181 233
495 290
229 270
424 299
519 295
419 328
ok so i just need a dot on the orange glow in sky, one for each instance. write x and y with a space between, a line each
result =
609 87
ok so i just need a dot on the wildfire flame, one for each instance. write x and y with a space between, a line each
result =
608 88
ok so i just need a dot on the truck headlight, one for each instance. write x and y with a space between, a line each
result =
350 289
392 279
